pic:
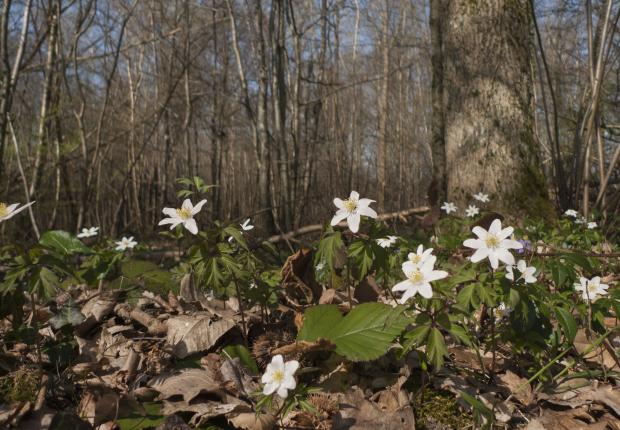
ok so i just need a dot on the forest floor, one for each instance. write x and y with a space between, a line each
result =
153 354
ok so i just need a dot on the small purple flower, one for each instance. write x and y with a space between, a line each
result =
527 245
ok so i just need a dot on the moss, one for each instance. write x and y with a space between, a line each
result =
441 411
21 386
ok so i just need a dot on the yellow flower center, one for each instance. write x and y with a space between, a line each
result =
592 288
416 277
278 376
3 210
184 213
415 258
492 241
350 205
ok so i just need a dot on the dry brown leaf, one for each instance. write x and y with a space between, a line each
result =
519 387
571 419
234 372
249 421
190 334
298 277
187 383
357 413
202 410
101 405
598 356
367 290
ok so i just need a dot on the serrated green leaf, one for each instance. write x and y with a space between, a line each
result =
367 331
416 337
568 323
436 348
63 242
466 298
318 321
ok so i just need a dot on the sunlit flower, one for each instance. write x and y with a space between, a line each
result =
88 232
527 273
449 207
418 280
246 226
493 244
572 213
7 212
319 266
352 209
421 256
581 220
591 289
387 242
184 215
472 211
126 243
592 225
481 197
501 311
278 377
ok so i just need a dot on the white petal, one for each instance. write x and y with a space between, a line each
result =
354 195
479 255
354 222
426 290
169 221
366 211
403 286
191 226
505 256
493 260
269 388
198 206
339 203
187 204
496 226
290 367
365 202
474 243
521 265
282 392
340 215
407 295
435 275
479 231
171 212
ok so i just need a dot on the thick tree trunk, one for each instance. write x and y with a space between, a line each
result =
487 115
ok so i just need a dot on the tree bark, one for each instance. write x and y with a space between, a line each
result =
486 103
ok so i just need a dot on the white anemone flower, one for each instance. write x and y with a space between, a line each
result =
591 289
592 225
352 209
88 232
278 377
7 212
527 273
501 311
493 244
184 215
472 211
481 197
126 243
246 226
418 280
387 242
581 220
421 256
449 207
572 213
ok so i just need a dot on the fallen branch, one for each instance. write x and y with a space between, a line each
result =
318 227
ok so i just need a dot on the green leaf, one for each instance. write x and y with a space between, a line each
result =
49 283
150 417
579 260
568 323
416 337
460 334
466 299
436 348
318 321
482 414
244 355
328 249
63 242
367 331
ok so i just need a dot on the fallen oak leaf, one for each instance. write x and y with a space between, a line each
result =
190 334
187 383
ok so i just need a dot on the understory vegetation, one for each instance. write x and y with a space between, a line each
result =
474 321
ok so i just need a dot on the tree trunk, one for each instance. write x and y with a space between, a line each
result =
486 105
